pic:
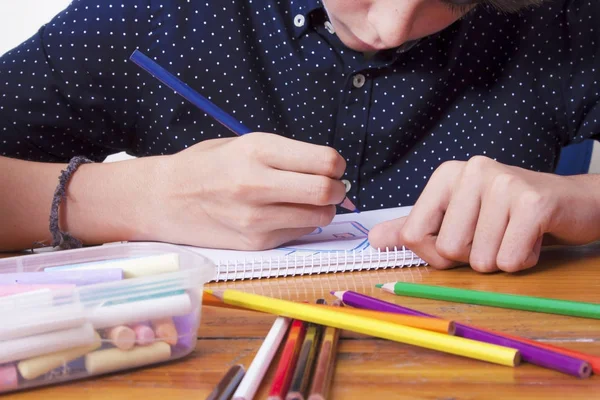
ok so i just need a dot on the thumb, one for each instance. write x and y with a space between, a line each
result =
387 234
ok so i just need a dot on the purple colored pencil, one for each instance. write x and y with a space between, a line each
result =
72 277
530 353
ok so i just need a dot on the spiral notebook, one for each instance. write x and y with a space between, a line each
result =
339 247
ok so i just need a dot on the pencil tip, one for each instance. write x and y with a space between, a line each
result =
379 285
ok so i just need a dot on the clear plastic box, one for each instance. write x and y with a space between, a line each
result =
112 308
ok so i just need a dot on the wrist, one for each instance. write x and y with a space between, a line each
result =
108 202
577 220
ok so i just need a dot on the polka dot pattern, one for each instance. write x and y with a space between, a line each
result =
515 88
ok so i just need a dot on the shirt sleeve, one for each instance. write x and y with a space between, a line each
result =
581 88
71 89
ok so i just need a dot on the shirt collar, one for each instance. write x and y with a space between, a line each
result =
300 11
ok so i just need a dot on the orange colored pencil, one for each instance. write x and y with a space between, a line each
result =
211 300
430 324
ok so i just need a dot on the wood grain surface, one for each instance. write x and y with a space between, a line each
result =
369 368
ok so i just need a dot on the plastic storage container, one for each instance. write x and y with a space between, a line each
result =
73 314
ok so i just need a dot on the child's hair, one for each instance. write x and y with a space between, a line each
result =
510 6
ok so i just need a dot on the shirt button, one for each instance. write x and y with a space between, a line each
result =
329 27
299 20
359 81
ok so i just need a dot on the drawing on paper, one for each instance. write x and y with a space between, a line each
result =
336 237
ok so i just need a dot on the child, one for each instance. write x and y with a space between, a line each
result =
459 107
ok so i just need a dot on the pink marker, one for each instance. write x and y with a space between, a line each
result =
144 335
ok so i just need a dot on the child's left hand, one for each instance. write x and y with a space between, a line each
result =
494 216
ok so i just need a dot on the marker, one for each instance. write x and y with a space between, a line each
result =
185 91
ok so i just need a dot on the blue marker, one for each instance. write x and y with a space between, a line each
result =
185 91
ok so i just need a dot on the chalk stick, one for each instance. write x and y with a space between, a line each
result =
39 321
132 267
38 366
122 337
139 311
144 335
187 327
164 329
46 343
35 299
12 289
9 379
73 277
102 361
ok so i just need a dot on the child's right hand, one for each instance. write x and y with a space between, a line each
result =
251 192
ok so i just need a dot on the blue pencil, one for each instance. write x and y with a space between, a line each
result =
188 93
200 101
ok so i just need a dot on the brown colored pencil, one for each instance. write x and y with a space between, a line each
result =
225 388
321 381
306 362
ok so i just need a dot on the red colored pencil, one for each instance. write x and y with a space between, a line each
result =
289 356
594 361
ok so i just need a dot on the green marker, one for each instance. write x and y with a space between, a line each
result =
502 300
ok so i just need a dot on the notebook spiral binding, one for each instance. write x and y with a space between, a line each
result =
328 262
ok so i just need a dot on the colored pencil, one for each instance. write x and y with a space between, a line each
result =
256 372
369 326
431 324
201 102
502 300
593 361
228 383
530 353
305 363
289 356
325 365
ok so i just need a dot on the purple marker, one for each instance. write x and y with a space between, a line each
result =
530 353
72 277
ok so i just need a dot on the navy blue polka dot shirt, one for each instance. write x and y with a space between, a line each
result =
515 88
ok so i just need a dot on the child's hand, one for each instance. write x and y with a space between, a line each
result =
494 216
251 192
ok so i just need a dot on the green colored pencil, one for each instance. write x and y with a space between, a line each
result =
502 300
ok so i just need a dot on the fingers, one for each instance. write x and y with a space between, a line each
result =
272 239
521 245
460 220
387 234
490 230
273 217
420 230
298 188
291 155
478 212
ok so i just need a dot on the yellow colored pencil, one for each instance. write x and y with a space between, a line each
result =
373 327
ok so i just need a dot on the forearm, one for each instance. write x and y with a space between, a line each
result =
26 190
104 203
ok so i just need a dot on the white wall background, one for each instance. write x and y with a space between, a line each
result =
20 19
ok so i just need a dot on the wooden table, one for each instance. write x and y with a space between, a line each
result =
369 368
